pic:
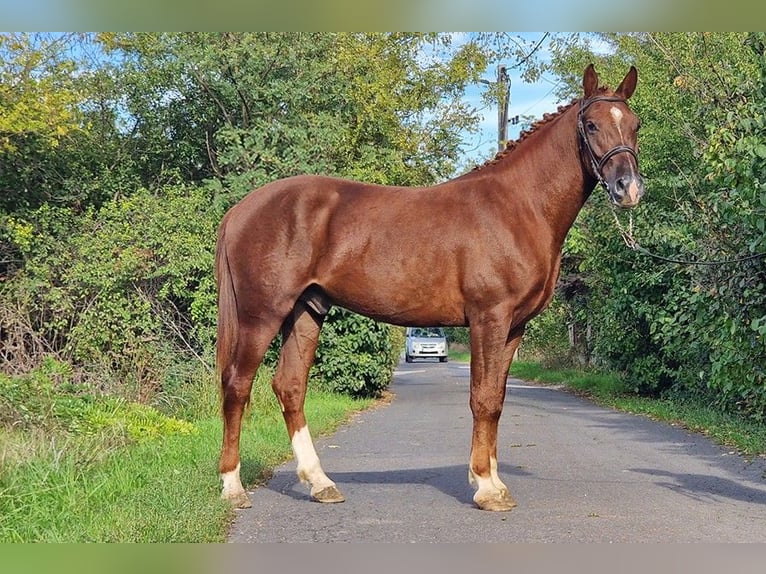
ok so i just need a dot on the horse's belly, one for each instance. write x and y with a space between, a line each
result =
400 302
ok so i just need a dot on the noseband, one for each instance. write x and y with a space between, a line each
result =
597 164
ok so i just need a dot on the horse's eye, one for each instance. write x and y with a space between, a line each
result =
591 127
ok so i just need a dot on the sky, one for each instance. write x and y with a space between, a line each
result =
530 100
526 99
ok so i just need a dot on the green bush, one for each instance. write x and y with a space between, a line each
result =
127 294
125 291
459 335
47 399
356 355
546 338
691 331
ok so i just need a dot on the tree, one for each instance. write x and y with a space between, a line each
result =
38 110
248 108
37 94
690 329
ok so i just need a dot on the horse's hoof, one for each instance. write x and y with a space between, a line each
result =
329 494
239 500
501 502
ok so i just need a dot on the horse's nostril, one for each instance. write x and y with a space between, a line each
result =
620 185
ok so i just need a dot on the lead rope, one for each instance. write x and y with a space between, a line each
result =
632 243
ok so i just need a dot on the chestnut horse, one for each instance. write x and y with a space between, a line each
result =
291 249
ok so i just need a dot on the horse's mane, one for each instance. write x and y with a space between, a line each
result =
512 145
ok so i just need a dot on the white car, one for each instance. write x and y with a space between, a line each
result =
424 342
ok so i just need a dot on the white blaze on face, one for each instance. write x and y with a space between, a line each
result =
633 192
617 117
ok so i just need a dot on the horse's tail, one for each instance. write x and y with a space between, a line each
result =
228 325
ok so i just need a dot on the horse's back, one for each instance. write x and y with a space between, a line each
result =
282 197
344 211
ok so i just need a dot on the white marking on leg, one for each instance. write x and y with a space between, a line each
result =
232 485
499 484
309 469
487 491
489 488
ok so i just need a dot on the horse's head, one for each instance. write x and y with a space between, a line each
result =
607 133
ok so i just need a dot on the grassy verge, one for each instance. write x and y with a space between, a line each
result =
55 488
748 437
596 384
459 354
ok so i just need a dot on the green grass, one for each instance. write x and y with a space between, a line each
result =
458 354
748 437
58 486
594 383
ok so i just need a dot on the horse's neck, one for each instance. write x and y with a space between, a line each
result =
555 180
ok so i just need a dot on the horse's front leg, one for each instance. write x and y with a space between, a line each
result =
300 333
492 350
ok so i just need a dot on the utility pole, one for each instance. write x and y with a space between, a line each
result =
502 88
504 99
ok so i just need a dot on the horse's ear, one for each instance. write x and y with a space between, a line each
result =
628 84
589 81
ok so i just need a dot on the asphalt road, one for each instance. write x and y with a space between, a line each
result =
580 473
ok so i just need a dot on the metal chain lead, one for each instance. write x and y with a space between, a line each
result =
626 234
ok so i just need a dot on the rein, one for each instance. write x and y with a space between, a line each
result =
632 243
597 164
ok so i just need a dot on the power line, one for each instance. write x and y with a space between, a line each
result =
537 47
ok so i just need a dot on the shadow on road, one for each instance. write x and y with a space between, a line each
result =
704 487
450 480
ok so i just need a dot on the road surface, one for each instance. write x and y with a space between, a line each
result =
579 472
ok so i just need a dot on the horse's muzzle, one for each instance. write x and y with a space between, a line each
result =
626 191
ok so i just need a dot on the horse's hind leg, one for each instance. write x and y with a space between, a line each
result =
236 383
300 333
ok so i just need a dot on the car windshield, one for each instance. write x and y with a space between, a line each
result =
428 333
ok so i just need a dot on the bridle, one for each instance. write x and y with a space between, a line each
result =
597 164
